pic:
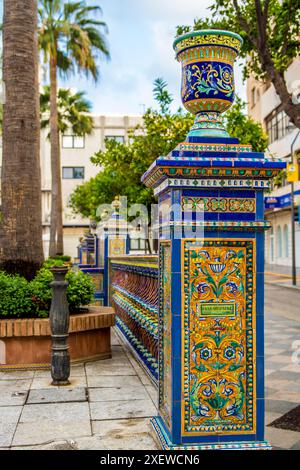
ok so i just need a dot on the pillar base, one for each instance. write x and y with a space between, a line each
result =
165 443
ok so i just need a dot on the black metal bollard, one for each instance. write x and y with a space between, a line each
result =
59 324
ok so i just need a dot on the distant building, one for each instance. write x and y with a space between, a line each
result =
265 107
76 169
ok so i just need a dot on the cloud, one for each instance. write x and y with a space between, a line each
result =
141 37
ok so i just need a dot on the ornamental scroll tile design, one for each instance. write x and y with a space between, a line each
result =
218 204
165 332
218 337
207 79
221 40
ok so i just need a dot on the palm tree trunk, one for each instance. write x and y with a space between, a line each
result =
21 248
56 193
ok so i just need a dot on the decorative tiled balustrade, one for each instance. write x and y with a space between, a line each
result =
134 295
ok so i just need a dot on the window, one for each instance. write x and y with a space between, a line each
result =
279 242
73 142
286 240
73 172
118 138
278 125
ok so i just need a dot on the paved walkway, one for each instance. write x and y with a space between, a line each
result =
281 276
107 407
109 402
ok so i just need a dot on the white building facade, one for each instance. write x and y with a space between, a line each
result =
265 107
76 169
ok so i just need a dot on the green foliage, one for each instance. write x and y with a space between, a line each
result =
276 29
162 95
80 290
41 291
64 258
72 109
71 34
239 125
15 297
22 299
123 165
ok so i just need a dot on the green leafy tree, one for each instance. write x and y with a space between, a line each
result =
271 32
71 39
72 111
162 95
123 165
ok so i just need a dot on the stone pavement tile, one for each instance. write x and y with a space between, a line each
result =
285 385
122 409
117 349
277 384
279 335
296 446
136 442
118 358
153 393
268 372
128 392
114 340
54 445
274 351
287 396
16 375
270 392
281 438
76 371
293 368
284 374
9 417
43 382
45 422
280 359
279 406
57 395
271 416
9 398
14 385
283 343
121 427
113 381
110 369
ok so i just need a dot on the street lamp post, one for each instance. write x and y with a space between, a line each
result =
294 274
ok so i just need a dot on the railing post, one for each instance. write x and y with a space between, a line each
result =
59 324
211 263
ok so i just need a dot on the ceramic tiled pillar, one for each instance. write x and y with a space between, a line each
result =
211 333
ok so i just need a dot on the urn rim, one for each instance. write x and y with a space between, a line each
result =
207 32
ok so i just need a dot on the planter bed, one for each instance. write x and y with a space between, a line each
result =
26 343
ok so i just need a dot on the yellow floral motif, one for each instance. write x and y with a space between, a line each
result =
217 375
210 39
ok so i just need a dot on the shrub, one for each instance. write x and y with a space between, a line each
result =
20 298
41 291
15 297
80 290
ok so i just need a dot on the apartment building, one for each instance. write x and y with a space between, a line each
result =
265 107
76 169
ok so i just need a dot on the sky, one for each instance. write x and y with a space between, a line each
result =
141 34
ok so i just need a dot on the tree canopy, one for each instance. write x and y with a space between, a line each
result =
72 111
122 165
271 32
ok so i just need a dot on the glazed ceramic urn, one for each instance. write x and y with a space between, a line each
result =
207 90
